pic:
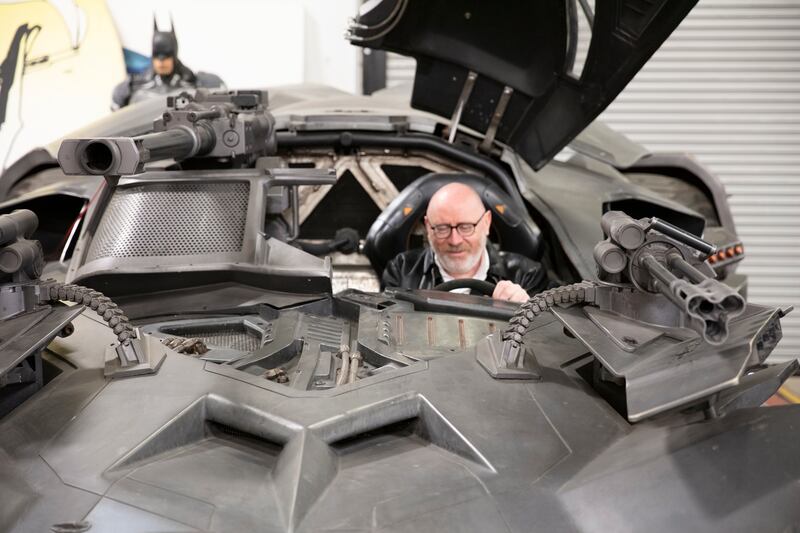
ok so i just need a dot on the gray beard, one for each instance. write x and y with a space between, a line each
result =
456 267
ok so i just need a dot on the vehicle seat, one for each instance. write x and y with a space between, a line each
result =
390 233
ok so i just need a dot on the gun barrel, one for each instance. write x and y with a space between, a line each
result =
708 303
623 229
676 262
666 279
178 144
683 236
19 224
729 301
115 156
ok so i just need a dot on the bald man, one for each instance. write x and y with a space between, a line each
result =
457 225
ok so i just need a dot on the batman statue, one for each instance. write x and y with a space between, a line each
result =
165 75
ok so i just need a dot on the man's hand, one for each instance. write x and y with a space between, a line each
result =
506 290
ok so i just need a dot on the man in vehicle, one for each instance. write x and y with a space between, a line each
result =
457 225
166 75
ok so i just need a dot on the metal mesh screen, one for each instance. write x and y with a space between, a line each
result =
168 219
234 336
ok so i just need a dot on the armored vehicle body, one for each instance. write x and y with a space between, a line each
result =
193 336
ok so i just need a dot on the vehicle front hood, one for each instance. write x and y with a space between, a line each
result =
527 47
435 446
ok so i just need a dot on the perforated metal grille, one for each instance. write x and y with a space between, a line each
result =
234 336
168 219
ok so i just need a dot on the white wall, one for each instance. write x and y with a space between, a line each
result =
251 43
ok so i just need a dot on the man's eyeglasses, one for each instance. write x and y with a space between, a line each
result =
465 229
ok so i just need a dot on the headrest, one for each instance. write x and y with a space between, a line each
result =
389 234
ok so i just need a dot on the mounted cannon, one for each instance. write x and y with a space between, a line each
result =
234 126
656 257
663 333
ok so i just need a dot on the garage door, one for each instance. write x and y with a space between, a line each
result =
726 87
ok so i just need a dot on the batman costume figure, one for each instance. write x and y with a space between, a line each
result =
166 73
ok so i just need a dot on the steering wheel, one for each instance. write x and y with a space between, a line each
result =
479 285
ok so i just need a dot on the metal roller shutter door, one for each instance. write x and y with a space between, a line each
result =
726 88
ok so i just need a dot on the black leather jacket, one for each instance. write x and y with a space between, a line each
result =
416 269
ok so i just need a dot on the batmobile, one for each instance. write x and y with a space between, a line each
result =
192 336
